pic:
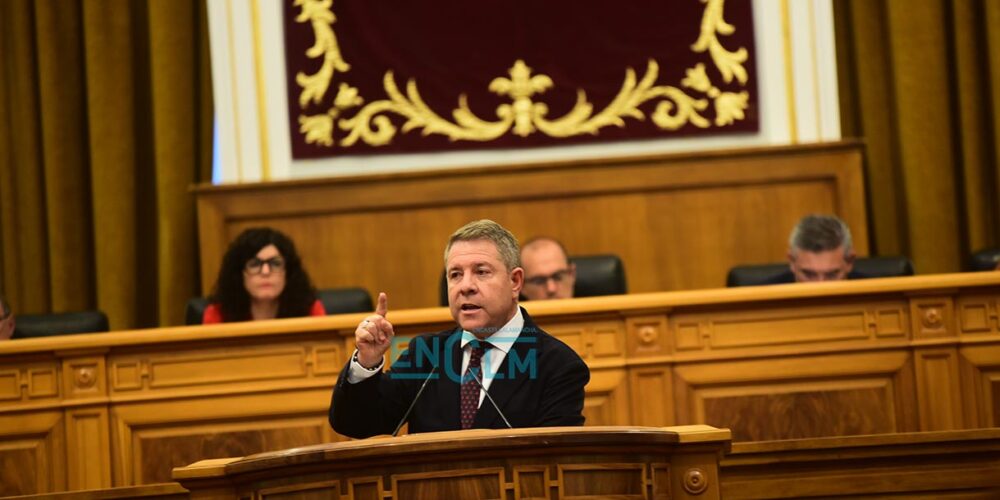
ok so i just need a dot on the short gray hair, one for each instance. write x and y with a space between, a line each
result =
486 229
820 233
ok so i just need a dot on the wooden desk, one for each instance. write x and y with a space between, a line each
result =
556 462
947 464
782 362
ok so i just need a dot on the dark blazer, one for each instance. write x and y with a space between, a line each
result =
789 277
539 383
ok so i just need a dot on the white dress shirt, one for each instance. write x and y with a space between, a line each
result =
501 340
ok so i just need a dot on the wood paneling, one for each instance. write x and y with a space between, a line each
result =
796 361
678 221
165 491
811 411
32 453
956 464
607 397
563 462
153 437
797 396
87 431
938 380
160 450
980 377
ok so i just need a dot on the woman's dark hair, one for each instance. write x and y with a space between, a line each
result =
229 292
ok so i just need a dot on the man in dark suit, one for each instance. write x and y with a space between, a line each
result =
819 249
534 379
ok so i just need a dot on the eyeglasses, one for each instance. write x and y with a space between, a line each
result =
540 281
255 265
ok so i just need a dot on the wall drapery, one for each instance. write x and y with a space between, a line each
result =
920 82
105 123
401 77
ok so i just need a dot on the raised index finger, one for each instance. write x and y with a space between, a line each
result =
383 304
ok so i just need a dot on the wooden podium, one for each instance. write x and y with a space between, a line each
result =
540 463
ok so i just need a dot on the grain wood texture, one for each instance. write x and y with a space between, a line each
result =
806 361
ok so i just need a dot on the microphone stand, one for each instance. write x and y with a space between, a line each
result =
495 407
415 398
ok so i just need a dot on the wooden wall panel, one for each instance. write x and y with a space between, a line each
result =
796 397
803 323
87 431
980 379
607 397
678 221
652 396
938 379
32 458
160 449
32 380
154 437
855 407
951 464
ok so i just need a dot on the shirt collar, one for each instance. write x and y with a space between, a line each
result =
503 338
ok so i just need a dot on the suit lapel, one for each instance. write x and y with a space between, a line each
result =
450 376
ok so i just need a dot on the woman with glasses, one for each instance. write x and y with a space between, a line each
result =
261 278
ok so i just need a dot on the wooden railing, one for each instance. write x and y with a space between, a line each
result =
790 361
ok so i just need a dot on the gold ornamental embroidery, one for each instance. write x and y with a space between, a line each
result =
525 114
314 86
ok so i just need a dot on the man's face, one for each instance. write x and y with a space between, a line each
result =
482 295
547 273
829 265
6 325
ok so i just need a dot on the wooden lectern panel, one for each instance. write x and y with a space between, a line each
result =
561 462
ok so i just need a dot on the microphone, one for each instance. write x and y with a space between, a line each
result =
495 407
414 403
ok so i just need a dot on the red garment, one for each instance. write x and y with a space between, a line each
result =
213 314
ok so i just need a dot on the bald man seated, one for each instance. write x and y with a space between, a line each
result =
548 273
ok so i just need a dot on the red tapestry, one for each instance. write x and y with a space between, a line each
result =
369 76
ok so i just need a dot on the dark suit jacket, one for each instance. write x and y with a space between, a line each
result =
789 277
539 383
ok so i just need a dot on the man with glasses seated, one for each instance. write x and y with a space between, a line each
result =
548 273
6 320
819 249
261 277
